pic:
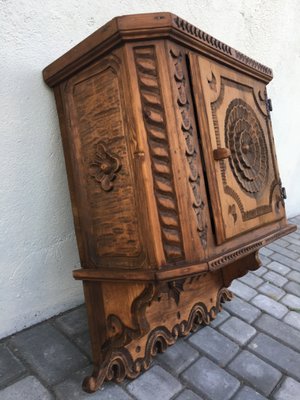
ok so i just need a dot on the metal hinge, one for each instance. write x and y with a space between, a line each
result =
283 192
281 197
269 105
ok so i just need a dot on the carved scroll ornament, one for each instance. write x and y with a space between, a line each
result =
188 129
118 363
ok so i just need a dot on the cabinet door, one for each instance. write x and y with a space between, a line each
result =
238 148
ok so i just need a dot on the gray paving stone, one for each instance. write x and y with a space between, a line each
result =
289 390
261 271
243 291
178 357
252 280
293 240
155 383
210 380
294 275
253 370
291 301
10 367
276 353
28 388
293 318
272 291
265 252
295 235
238 330
243 310
294 220
83 341
213 344
279 330
281 242
275 278
71 389
270 306
295 248
265 260
279 268
293 288
286 261
246 393
188 395
282 250
48 352
73 322
221 317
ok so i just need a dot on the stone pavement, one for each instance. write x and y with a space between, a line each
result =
250 352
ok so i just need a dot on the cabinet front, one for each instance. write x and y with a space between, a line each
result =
238 148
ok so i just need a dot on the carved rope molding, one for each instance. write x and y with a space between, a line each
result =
118 363
189 131
155 124
220 46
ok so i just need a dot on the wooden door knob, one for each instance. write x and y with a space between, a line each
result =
221 153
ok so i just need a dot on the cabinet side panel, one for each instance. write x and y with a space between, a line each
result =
94 108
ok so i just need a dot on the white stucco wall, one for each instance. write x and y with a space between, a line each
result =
37 243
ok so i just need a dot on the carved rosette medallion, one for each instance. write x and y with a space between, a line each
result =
245 139
103 169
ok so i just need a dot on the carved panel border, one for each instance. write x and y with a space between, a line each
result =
188 129
155 124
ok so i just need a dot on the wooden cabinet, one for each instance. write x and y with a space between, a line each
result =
173 178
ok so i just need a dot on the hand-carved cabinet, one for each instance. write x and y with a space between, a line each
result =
173 179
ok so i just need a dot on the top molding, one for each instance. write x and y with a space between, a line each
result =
148 27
